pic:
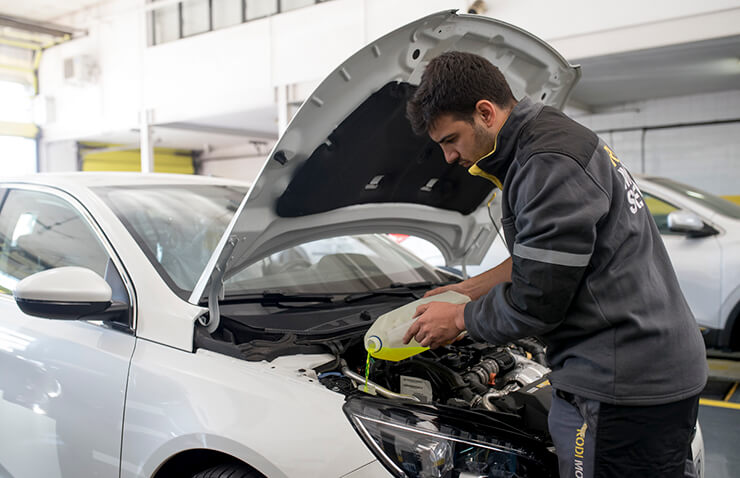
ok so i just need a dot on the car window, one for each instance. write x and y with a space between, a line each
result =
344 264
659 209
40 231
177 226
420 248
715 203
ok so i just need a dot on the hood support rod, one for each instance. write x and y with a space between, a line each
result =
217 287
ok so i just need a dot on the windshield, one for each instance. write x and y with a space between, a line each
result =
346 264
715 203
177 226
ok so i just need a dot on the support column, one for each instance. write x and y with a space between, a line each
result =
282 108
147 146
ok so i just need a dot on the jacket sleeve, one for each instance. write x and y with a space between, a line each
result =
557 206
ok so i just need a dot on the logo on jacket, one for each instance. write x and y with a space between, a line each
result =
634 196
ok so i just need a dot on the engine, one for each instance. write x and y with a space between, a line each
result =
467 374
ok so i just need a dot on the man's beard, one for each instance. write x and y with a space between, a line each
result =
484 142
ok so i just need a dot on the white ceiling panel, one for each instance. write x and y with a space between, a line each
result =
685 69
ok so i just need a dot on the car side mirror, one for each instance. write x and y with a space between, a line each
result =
689 223
64 293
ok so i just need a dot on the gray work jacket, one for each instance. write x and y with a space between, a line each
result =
590 274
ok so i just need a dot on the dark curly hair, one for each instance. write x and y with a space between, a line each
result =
453 83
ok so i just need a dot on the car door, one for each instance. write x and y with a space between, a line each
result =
62 383
696 260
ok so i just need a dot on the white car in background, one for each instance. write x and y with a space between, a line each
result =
162 326
702 235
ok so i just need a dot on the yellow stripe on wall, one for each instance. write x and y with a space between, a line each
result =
25 130
735 199
166 160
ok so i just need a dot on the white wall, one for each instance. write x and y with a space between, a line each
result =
228 70
58 156
237 68
704 156
240 162
112 99
238 168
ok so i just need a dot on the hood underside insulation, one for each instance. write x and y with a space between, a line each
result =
373 156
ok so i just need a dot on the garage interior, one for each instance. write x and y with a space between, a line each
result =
206 87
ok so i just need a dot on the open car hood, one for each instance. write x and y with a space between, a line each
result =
349 162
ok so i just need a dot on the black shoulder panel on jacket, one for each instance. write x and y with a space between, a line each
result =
546 132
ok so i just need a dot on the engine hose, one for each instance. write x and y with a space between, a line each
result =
472 380
488 400
479 376
533 346
475 385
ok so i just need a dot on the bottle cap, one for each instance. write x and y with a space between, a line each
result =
373 344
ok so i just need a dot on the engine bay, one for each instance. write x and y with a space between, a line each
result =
508 381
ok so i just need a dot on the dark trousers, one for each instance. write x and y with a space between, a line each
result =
599 440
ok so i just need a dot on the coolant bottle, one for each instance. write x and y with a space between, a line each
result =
384 340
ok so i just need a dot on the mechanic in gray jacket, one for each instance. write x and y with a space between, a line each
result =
588 274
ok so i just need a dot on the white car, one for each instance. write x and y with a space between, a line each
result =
162 326
702 235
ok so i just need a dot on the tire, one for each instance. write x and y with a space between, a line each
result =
228 471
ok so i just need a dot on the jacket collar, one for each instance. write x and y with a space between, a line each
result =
495 164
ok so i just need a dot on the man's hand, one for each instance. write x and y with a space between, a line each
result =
437 324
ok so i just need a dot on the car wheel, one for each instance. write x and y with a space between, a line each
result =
228 471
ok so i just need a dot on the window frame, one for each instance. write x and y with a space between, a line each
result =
98 231
152 27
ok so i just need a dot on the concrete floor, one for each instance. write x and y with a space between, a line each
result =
719 416
721 428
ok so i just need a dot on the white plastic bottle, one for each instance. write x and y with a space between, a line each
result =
384 339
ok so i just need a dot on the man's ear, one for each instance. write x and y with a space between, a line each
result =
486 111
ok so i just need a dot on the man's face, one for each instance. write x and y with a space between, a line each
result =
462 142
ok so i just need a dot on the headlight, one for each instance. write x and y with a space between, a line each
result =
427 442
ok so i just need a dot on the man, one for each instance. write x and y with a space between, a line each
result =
588 274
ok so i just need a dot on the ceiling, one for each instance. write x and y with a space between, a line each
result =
685 69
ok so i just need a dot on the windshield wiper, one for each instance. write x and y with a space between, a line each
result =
410 289
274 298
